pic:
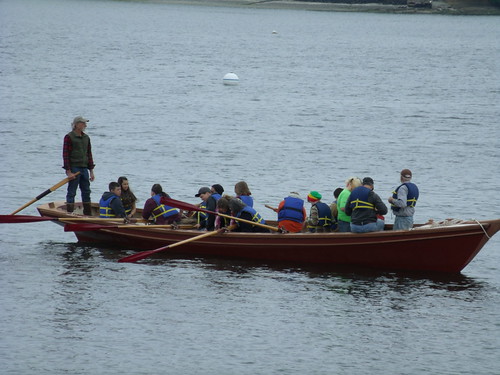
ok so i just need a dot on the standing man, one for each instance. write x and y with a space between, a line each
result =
363 205
403 201
77 157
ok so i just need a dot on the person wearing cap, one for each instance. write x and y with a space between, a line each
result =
343 220
210 204
320 217
403 201
77 157
363 205
291 213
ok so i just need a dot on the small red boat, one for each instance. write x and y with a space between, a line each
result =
444 247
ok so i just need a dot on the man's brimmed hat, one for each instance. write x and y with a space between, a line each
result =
203 190
406 173
78 119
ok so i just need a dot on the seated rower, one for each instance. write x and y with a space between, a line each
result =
110 205
291 213
320 218
161 213
242 211
364 206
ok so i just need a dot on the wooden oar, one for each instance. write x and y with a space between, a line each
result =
192 207
86 227
271 208
5 219
48 191
144 254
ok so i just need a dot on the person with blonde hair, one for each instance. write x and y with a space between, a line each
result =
243 192
344 221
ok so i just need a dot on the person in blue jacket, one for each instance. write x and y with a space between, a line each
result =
110 205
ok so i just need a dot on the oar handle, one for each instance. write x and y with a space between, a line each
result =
48 191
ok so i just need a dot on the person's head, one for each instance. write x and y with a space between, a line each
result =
241 188
217 189
406 175
123 181
204 193
79 123
368 182
337 192
352 183
115 188
236 205
223 205
294 194
156 189
313 197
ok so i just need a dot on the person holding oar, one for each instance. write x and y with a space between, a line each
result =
78 164
161 213
291 213
242 211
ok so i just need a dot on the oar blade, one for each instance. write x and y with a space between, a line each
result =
143 254
4 219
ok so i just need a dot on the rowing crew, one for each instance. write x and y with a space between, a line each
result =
357 208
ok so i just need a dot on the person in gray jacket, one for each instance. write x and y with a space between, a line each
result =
403 201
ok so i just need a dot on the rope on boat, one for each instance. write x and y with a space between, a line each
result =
449 222
482 227
445 223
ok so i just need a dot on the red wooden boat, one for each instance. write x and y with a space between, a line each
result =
443 247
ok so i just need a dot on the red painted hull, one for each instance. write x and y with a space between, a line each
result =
442 249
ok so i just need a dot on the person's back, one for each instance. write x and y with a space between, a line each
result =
363 206
291 213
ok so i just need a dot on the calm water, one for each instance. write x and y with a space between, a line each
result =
329 95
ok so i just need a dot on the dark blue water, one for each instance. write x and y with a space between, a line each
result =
330 95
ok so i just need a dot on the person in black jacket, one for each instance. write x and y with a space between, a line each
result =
205 194
363 206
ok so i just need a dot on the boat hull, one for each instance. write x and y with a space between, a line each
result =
441 249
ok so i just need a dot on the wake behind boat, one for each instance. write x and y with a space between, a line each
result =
441 247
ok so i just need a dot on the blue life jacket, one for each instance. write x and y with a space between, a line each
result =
359 199
292 210
255 215
217 196
324 217
162 210
248 200
412 197
105 209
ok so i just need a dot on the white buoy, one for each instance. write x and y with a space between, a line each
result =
275 32
230 79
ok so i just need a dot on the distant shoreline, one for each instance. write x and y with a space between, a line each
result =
439 7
